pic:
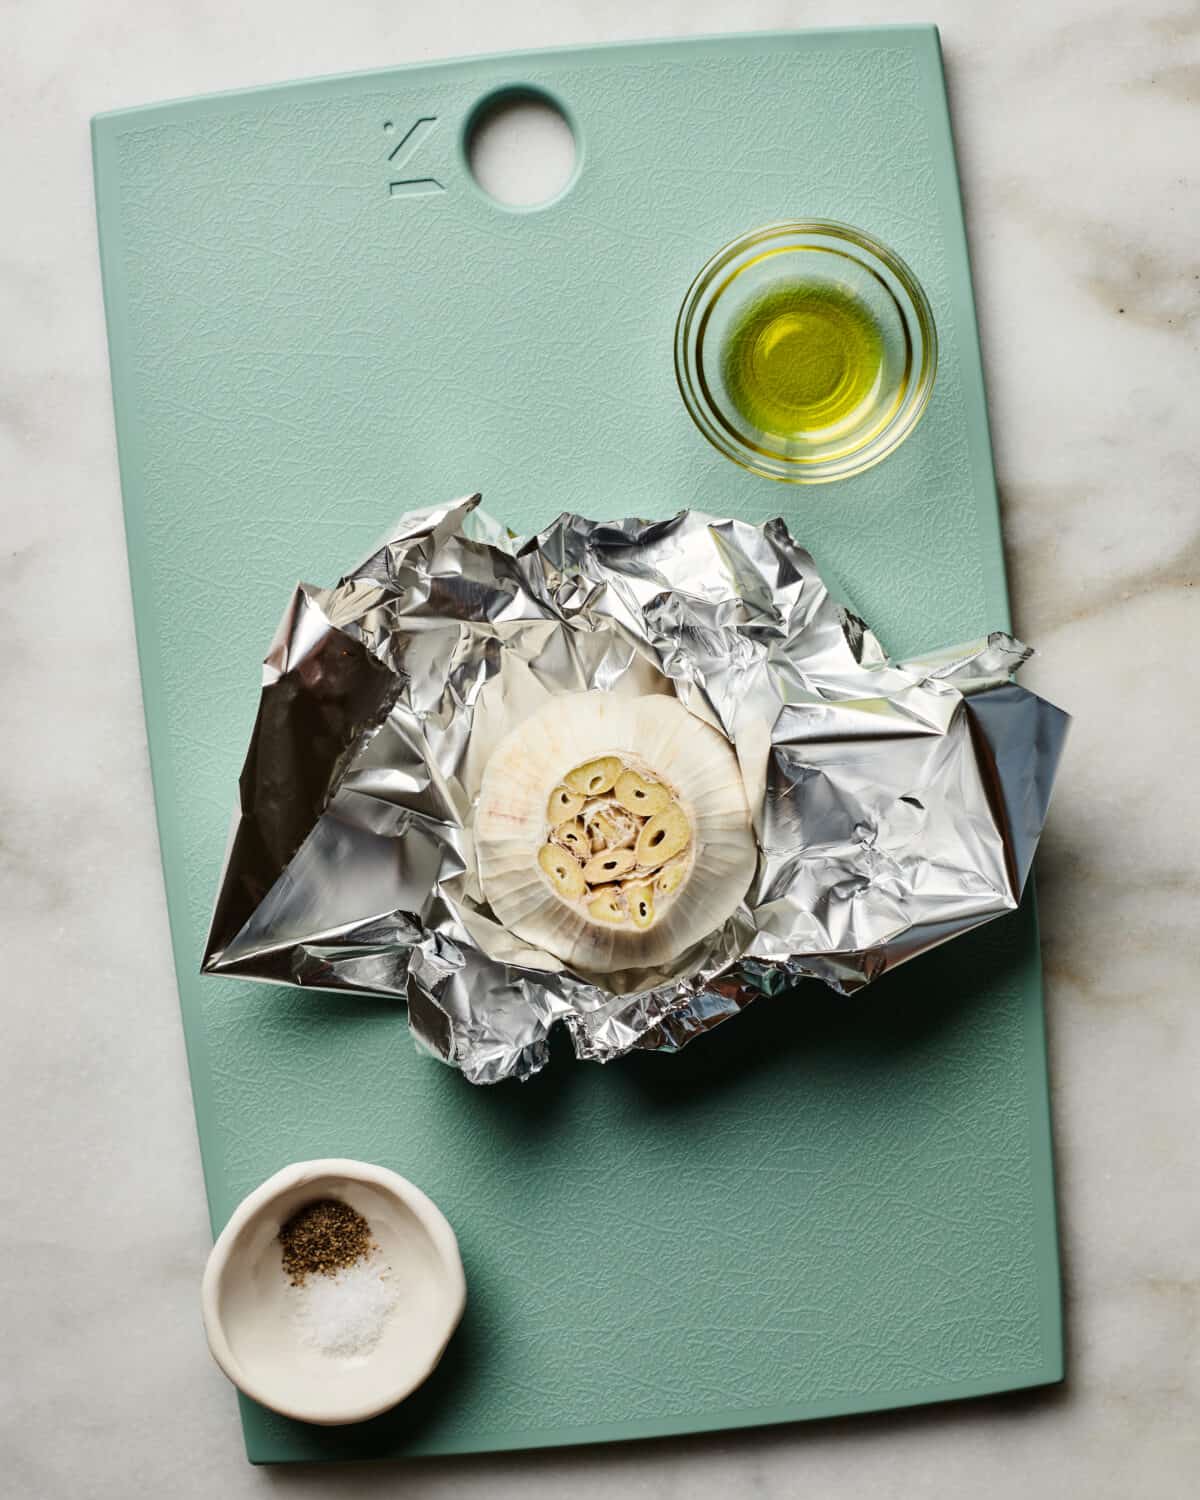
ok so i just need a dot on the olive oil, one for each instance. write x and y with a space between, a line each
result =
803 361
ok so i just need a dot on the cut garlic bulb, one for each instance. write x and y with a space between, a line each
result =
613 832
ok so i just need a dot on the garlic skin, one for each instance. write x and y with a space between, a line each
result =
657 854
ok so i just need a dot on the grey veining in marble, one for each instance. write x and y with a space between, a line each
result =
1077 128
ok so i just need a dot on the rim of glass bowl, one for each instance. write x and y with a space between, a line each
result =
915 314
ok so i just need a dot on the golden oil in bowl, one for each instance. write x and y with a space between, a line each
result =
805 351
805 358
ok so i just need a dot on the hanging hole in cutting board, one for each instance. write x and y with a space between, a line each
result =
520 148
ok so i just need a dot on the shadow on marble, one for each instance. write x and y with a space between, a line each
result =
613 1461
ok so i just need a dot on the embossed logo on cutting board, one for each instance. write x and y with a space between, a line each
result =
401 155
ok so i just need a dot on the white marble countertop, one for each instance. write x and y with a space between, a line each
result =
1077 129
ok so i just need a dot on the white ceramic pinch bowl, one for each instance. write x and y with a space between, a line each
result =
250 1313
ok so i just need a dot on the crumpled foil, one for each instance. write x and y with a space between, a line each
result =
896 804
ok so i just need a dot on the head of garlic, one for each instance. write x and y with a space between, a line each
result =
613 832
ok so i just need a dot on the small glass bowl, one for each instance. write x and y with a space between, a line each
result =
830 260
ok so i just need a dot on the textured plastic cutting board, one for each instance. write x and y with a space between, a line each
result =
827 1206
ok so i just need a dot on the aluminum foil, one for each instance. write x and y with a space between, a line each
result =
896 804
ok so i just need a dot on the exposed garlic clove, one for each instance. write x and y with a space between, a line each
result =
562 870
670 877
663 837
608 906
639 796
609 864
594 776
639 899
573 837
564 804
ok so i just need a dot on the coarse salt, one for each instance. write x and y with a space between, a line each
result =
346 1313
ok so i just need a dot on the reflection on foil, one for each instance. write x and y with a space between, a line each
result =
897 804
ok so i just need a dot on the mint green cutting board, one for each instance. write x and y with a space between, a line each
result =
826 1206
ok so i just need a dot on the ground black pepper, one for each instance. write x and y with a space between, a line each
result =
322 1238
